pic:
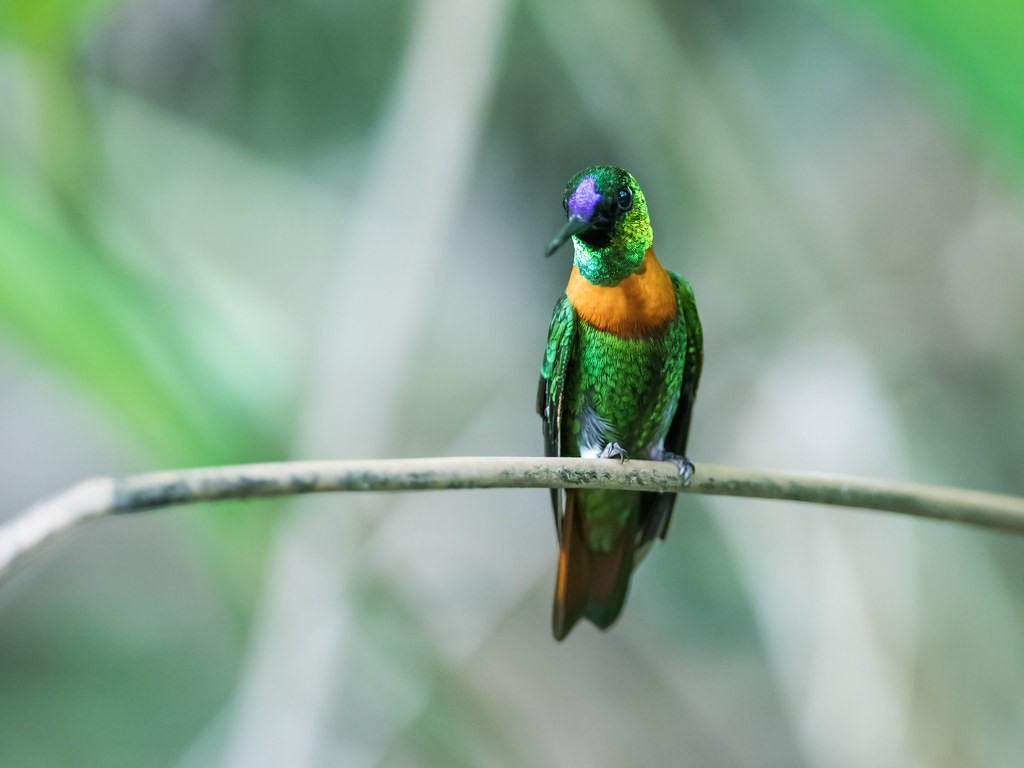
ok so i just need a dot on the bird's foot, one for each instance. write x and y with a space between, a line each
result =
614 451
683 464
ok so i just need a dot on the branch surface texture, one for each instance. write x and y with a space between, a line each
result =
104 496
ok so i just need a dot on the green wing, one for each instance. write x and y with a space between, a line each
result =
657 509
551 390
679 429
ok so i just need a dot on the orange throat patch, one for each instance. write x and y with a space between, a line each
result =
638 306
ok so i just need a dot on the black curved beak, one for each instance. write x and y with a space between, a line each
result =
573 226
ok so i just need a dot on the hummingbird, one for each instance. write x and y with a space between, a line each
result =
618 381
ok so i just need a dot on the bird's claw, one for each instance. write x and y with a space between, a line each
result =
614 451
683 464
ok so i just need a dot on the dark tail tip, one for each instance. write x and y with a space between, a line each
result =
561 624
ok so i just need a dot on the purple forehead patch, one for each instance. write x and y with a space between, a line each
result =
584 199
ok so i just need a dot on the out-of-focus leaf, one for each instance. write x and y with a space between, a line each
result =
137 348
42 23
973 50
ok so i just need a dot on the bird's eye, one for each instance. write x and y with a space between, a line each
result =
625 199
565 204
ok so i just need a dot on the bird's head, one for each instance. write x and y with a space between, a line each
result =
608 223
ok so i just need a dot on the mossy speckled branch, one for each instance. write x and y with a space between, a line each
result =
101 497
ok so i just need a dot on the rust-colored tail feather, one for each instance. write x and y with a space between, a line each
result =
589 583
572 579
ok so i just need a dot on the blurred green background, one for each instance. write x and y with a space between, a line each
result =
242 231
